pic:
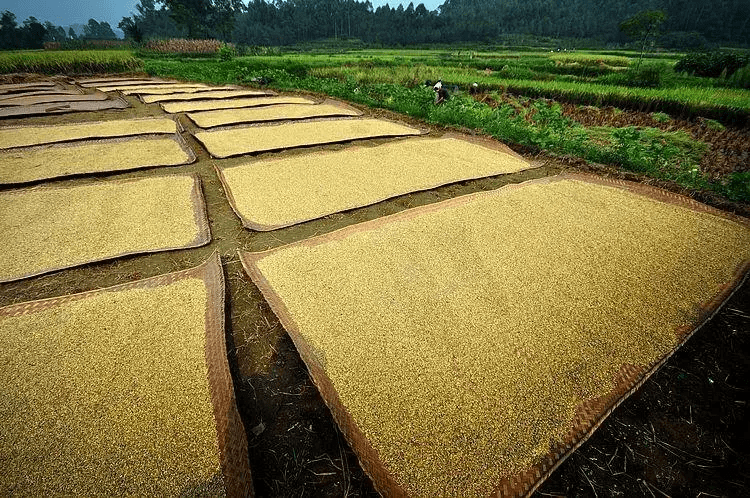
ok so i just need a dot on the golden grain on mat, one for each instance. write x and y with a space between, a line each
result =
108 396
279 192
25 165
215 104
169 90
231 142
107 82
462 340
146 88
47 229
209 119
37 135
216 94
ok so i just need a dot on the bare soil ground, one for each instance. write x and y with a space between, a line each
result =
686 432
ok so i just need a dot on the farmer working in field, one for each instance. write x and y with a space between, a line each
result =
441 94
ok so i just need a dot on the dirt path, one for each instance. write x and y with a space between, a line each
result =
684 432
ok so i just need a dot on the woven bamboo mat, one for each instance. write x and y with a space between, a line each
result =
24 100
62 107
123 82
24 87
46 230
275 193
216 104
246 140
122 391
28 164
216 94
35 92
23 136
147 88
281 112
467 347
169 90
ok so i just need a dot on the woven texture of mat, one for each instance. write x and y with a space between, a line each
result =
210 119
62 107
169 90
49 229
106 82
146 88
235 141
216 104
275 193
51 91
22 87
29 164
465 348
215 94
23 100
122 391
24 136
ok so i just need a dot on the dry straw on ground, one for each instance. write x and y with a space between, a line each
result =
37 135
210 119
109 395
279 192
52 161
462 336
216 104
49 229
236 141
215 94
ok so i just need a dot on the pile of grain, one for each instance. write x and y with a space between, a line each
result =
37 135
214 94
236 141
52 161
209 119
49 229
108 396
280 192
215 104
462 339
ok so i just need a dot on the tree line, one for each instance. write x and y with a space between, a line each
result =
33 34
284 22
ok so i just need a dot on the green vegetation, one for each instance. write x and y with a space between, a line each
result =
69 61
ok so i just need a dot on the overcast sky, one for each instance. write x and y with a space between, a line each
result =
67 12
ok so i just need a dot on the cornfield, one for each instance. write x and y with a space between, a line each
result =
182 46
69 62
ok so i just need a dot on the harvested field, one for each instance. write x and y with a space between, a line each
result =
24 136
236 141
108 392
216 104
210 119
29 164
217 94
454 342
275 193
50 229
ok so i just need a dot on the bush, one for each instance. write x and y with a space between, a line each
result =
645 77
227 52
712 64
740 78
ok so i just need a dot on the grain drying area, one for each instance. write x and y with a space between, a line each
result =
430 315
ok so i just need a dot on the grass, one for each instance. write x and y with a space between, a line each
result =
69 61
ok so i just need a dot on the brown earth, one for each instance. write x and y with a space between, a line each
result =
686 432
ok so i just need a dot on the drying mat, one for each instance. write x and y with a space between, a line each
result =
29 164
51 91
23 87
216 104
454 342
275 193
235 141
50 229
62 107
170 89
56 98
210 119
124 82
124 390
217 94
23 136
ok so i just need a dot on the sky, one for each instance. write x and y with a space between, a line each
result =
67 12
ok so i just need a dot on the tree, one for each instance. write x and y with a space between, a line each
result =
98 31
33 33
643 26
8 30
